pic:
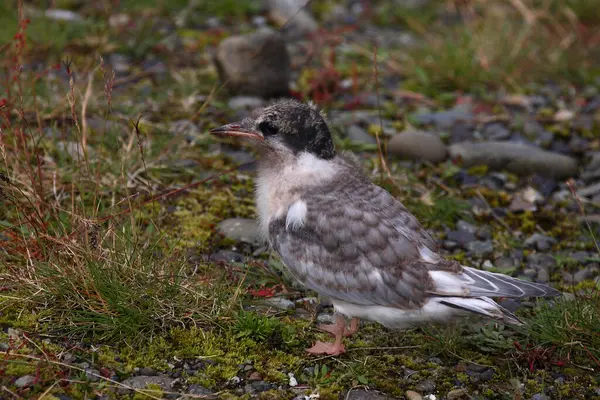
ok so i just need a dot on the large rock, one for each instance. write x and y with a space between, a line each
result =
418 145
292 16
255 64
515 157
241 230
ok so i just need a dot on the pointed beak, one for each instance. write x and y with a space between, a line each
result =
238 131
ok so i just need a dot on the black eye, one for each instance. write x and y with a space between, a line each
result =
268 128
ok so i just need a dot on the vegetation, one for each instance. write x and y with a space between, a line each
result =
110 193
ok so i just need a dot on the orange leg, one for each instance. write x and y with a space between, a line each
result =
332 348
334 328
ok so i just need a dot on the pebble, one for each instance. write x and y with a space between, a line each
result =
292 16
245 102
198 390
481 248
412 395
326 318
256 64
142 381
540 242
63 15
359 135
456 394
588 273
227 256
367 395
425 386
241 230
446 119
25 381
518 158
462 238
418 145
496 131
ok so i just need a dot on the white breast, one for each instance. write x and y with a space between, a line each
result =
279 186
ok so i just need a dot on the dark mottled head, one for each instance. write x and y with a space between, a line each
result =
287 125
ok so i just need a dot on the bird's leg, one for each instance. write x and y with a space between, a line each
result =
334 328
353 327
332 348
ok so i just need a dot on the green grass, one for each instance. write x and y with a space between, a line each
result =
87 256
500 48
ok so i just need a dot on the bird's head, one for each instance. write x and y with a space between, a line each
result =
287 127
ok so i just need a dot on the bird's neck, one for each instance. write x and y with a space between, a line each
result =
283 180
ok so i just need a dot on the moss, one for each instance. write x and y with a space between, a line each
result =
19 369
196 216
153 390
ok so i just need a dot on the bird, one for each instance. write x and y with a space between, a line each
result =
350 240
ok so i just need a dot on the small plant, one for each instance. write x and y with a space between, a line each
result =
254 326
569 325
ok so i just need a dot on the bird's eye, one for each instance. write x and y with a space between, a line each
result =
268 128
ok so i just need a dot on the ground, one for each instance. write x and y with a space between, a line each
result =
130 266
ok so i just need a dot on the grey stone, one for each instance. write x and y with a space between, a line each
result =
496 131
542 260
517 158
539 396
418 145
58 14
255 64
241 230
245 102
227 256
463 225
461 237
92 374
142 381
25 381
326 318
367 395
198 390
184 127
589 191
543 275
456 394
588 273
481 248
359 135
446 119
540 242
425 386
292 16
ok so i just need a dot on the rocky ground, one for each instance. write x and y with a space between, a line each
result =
131 263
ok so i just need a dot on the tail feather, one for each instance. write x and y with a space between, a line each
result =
499 285
476 283
483 306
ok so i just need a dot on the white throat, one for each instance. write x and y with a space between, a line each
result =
280 183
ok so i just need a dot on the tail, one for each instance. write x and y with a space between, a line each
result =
483 306
476 283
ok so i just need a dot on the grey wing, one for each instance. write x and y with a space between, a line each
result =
358 244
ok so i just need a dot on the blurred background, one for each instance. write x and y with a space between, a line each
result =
129 254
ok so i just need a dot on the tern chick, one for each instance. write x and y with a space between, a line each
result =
351 240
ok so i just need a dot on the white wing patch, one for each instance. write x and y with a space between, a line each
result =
428 256
296 215
446 283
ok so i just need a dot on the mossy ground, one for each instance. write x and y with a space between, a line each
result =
105 260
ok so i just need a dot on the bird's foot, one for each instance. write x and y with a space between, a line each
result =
329 348
334 329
